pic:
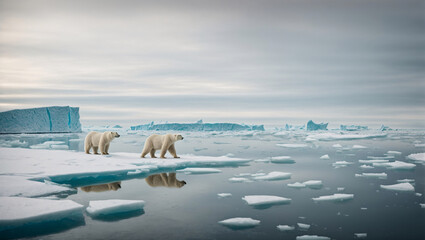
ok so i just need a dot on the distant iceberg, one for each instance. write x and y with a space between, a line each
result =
311 126
353 128
41 120
384 128
289 127
198 126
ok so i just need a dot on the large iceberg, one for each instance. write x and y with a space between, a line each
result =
198 126
311 126
353 127
41 120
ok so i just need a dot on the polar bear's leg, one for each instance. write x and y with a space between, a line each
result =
107 149
172 151
163 150
87 147
152 152
95 150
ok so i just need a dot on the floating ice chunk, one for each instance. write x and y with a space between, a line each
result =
282 159
417 157
239 179
396 165
339 164
358 147
113 206
285 228
312 237
198 126
325 157
199 170
292 145
418 194
296 185
260 200
41 120
336 136
337 145
335 197
303 226
394 152
313 183
311 126
405 187
385 128
360 235
379 158
240 222
420 145
363 208
224 195
406 180
372 175
366 166
18 211
272 176
373 161
340 189
422 205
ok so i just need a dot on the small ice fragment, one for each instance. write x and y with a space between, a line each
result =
358 147
113 206
420 145
303 226
224 195
337 145
422 205
240 222
258 200
239 179
325 157
406 180
366 166
417 157
405 187
372 175
292 145
363 208
257 174
313 183
339 164
199 170
418 194
282 159
335 197
296 185
312 237
360 235
285 227
272 176
340 189
396 165
394 152
380 158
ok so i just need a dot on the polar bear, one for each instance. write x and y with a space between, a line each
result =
164 180
97 140
164 142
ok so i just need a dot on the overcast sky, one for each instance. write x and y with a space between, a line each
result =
272 62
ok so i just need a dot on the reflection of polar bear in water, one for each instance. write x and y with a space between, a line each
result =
102 187
164 180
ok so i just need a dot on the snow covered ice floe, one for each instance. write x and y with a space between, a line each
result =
397 165
372 175
303 226
296 185
394 153
325 157
337 136
239 179
403 187
360 235
339 164
420 157
315 184
113 206
19 211
364 166
373 161
199 170
282 159
265 200
274 176
359 147
240 222
224 195
406 180
292 145
337 197
312 237
285 228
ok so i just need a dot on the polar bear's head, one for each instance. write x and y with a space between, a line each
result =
178 137
114 135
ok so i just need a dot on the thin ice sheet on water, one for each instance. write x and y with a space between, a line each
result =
396 165
256 200
403 187
113 206
372 175
224 195
273 176
240 222
335 197
19 211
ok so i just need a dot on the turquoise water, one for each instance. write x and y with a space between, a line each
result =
193 210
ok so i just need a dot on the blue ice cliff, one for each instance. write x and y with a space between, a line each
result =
353 127
41 120
198 126
311 126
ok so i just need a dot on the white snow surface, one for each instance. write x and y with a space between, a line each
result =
26 164
404 187
18 186
199 170
256 200
113 206
19 211
240 222
335 197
